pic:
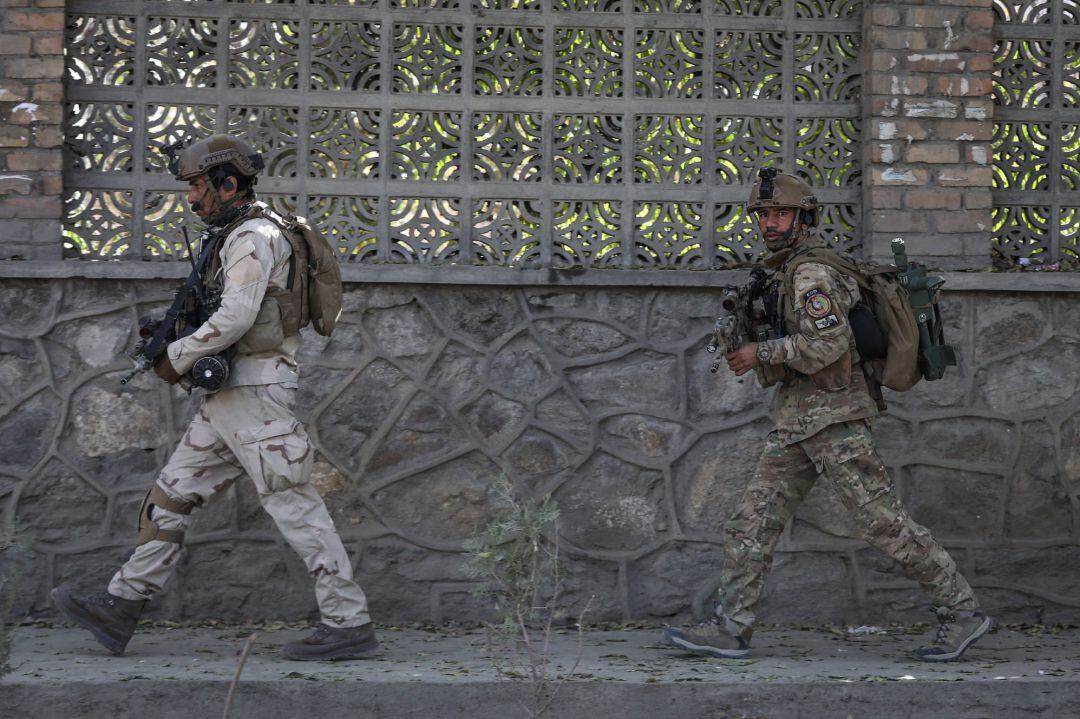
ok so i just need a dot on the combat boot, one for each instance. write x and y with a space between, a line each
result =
717 637
334 643
957 630
109 618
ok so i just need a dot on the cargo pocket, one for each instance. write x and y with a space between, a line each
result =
280 449
852 466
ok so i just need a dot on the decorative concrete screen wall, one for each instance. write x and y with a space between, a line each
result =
532 133
1037 130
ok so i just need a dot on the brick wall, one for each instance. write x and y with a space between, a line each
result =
928 93
31 128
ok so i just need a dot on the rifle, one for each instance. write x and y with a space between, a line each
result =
155 335
742 317
923 291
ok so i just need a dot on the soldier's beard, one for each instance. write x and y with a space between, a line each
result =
783 242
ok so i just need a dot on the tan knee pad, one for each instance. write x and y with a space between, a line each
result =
149 529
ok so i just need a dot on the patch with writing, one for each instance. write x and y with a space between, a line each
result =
826 322
817 304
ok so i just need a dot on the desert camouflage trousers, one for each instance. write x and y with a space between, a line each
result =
250 430
845 455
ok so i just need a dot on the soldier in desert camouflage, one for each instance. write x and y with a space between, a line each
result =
823 412
246 428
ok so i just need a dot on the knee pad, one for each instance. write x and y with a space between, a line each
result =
149 529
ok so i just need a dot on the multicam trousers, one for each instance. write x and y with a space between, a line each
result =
250 430
844 454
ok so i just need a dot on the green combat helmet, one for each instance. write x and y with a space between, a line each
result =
774 189
202 155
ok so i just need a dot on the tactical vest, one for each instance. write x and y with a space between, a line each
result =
291 299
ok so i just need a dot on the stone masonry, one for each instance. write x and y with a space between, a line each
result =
601 397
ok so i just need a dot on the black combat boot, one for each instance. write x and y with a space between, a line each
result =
334 643
109 618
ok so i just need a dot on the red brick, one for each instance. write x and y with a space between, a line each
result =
50 3
933 17
12 44
978 154
32 207
901 220
14 136
49 44
983 62
888 84
16 184
47 136
952 86
881 60
886 106
937 153
886 152
897 39
979 19
978 199
52 183
14 3
900 176
912 129
886 198
48 113
49 92
979 109
962 130
965 176
11 91
935 62
933 199
962 221
31 68
33 160
974 42
883 16
34 20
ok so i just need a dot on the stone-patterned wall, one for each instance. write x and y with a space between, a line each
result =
601 396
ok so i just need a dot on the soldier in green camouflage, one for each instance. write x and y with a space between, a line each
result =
247 427
823 414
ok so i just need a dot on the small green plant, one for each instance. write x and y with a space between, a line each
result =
520 568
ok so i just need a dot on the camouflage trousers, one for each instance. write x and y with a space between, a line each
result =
844 454
250 430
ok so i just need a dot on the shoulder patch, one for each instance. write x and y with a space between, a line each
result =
817 304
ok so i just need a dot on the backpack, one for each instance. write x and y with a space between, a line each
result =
900 365
313 294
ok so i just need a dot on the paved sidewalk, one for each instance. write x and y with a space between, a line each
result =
185 672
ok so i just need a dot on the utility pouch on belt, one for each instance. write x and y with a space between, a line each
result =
148 529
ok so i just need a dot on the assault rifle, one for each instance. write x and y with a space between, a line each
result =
192 306
923 291
742 317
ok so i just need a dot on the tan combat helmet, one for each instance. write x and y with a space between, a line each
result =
202 155
777 190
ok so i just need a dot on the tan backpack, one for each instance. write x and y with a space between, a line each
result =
887 298
314 292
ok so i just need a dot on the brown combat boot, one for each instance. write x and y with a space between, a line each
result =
109 618
717 637
334 643
957 630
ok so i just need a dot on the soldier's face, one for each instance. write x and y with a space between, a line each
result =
777 226
202 198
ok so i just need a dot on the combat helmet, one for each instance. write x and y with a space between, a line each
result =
774 189
202 155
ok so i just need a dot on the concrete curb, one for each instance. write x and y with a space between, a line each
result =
792 674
